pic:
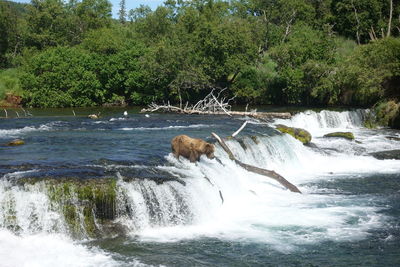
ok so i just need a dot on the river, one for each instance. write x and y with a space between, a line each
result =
220 215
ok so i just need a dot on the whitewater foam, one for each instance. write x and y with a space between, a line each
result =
24 130
166 128
43 250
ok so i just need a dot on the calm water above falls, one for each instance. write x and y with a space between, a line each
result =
349 214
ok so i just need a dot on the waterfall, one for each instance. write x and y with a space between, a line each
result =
325 120
218 198
99 207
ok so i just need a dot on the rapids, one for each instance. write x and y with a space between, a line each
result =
169 207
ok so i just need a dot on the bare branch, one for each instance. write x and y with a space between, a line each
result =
271 174
240 129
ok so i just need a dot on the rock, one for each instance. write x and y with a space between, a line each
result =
346 135
93 116
395 122
312 145
387 154
87 204
242 144
16 142
255 139
298 133
394 138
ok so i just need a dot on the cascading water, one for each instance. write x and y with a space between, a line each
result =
210 199
321 122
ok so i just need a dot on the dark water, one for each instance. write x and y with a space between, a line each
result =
63 145
60 145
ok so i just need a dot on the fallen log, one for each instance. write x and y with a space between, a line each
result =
256 115
271 174
214 105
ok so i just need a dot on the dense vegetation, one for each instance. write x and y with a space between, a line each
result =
309 52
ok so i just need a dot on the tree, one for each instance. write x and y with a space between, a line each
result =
122 12
62 77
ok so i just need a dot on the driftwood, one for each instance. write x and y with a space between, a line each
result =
214 105
271 174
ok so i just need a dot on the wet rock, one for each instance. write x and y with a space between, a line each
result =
93 116
394 138
387 154
345 135
312 145
255 139
395 122
242 144
16 142
298 133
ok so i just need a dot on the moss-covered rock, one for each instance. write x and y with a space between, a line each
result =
16 142
298 133
87 204
346 135
395 121
384 114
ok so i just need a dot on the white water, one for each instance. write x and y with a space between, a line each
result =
254 208
167 127
44 250
319 123
258 209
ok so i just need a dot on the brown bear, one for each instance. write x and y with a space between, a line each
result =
191 148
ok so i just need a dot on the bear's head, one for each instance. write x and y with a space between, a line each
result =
209 151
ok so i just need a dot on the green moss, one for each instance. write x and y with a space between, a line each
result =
16 142
83 202
298 133
346 135
10 214
386 112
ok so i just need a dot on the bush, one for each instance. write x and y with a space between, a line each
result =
62 77
10 83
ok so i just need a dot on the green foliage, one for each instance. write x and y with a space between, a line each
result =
385 112
10 83
306 52
299 61
356 19
62 77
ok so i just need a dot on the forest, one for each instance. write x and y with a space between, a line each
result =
73 53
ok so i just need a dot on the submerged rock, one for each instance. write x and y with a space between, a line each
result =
387 154
255 139
346 135
16 142
394 138
298 133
